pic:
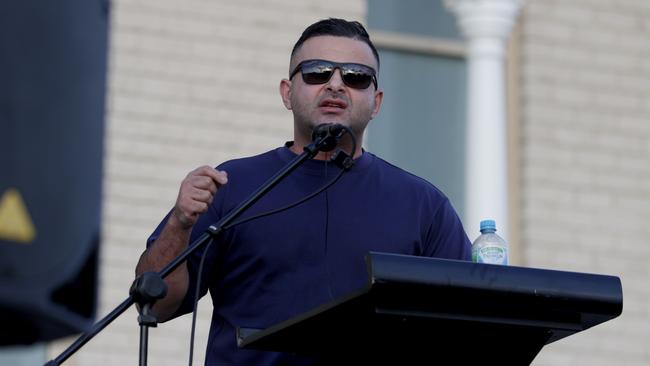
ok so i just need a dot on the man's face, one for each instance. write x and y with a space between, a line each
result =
333 101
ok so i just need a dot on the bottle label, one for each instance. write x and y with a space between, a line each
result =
492 254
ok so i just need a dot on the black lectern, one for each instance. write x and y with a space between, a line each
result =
419 310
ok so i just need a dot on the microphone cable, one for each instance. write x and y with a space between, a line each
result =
345 165
340 158
196 298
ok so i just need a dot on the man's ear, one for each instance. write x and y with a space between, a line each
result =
379 97
285 92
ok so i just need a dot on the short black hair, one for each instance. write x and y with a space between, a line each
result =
339 28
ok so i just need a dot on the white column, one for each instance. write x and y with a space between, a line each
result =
486 24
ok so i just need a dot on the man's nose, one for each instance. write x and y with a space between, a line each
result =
336 81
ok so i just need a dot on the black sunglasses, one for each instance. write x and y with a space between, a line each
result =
355 76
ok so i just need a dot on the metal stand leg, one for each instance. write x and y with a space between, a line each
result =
145 290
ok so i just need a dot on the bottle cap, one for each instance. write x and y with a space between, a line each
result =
488 226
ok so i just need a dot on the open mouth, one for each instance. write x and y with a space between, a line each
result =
333 104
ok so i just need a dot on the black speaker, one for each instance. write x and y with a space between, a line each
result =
53 57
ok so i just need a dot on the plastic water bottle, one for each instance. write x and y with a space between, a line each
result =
489 247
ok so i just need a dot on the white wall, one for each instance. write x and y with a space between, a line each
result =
586 161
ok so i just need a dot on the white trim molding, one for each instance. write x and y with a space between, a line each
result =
418 44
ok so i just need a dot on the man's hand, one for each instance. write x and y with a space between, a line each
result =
196 194
194 197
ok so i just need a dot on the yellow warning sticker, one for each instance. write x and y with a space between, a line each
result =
15 223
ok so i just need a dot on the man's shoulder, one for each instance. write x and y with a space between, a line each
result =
405 179
250 162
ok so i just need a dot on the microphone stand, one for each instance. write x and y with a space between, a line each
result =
149 287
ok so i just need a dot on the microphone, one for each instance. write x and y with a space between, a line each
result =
327 135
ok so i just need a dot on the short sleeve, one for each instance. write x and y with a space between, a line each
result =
446 237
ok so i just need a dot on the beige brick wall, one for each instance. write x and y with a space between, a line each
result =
586 161
195 82
190 83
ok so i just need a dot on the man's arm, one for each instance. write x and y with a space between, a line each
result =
194 198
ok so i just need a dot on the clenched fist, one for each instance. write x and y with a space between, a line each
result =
196 194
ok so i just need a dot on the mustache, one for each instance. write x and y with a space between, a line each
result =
333 95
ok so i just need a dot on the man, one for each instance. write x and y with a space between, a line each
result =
272 268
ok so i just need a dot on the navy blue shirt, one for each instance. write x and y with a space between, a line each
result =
270 269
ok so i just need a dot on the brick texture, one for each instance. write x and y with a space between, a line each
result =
195 82
586 161
190 83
